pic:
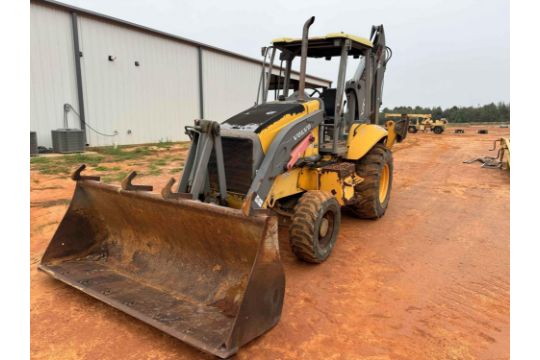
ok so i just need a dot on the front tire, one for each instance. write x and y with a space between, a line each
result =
315 226
373 194
438 130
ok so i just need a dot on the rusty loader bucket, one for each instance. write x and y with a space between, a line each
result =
205 274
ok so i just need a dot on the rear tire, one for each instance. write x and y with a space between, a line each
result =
438 130
412 129
373 194
315 226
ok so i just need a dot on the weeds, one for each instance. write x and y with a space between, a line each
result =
115 177
104 168
160 162
176 170
63 164
138 156
153 170
118 154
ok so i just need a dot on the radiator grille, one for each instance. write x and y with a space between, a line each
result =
238 158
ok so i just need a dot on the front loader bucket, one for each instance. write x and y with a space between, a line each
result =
205 274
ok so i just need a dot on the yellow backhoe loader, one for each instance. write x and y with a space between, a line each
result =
422 122
201 262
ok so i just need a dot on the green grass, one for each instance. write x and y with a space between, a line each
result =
119 154
160 162
40 160
63 164
153 170
114 177
76 159
105 168
176 170
60 165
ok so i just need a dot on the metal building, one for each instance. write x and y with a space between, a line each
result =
129 84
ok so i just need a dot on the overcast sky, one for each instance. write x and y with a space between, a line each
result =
446 52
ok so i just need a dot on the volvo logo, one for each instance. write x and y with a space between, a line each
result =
302 132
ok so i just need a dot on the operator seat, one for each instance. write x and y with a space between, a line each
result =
328 97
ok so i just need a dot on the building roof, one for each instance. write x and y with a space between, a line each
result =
138 27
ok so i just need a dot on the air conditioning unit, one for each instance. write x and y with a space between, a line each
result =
67 141
33 143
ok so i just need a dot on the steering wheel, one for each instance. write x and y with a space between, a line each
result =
315 91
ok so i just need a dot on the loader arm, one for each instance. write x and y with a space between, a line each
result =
364 90
277 158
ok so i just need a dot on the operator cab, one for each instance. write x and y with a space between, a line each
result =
350 101
332 45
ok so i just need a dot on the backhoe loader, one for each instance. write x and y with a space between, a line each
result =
201 261
422 122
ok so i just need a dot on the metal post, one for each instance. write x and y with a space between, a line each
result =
188 166
201 167
288 64
369 85
338 107
270 68
303 58
77 55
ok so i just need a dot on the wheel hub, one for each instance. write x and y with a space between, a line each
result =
384 183
323 228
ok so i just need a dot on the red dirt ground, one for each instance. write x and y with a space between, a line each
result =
430 280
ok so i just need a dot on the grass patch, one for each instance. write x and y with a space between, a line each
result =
176 170
105 168
63 164
118 154
153 170
76 159
160 162
116 177
40 160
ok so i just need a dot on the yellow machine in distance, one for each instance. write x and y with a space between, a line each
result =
501 161
421 122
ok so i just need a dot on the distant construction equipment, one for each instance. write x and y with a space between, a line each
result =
422 122
501 161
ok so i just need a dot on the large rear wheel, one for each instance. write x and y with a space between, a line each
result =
373 194
315 226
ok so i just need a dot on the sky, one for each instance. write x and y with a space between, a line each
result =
445 52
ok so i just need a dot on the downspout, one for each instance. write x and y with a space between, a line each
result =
77 53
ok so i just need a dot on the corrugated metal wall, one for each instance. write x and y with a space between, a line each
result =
52 71
147 103
229 85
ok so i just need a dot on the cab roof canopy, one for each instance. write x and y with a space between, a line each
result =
325 46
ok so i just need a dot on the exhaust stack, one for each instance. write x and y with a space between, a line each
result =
303 59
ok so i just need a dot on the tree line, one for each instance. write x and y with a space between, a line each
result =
499 112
